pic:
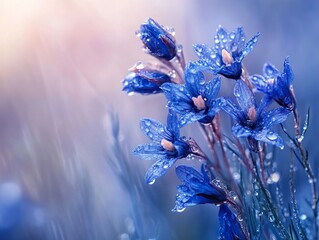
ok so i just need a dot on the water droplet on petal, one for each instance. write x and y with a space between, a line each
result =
171 30
272 136
303 217
165 165
138 33
180 209
213 55
152 182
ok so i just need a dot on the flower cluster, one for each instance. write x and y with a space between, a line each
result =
193 95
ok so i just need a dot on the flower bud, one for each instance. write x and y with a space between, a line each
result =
144 81
158 42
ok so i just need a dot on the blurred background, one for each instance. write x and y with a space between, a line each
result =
62 173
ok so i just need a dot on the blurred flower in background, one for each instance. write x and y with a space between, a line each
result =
61 67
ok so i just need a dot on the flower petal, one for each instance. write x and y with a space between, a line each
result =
158 169
179 99
236 41
197 182
209 58
194 79
172 124
184 173
244 96
229 227
150 151
269 137
261 83
249 46
221 39
189 117
275 116
270 71
212 89
155 130
232 109
241 131
288 71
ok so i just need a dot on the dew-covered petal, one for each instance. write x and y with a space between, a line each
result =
210 59
262 108
288 72
158 169
194 79
269 137
236 41
172 124
249 46
221 39
262 84
184 173
276 116
270 71
229 228
212 89
232 109
198 183
214 107
189 117
241 131
179 99
150 151
155 130
244 96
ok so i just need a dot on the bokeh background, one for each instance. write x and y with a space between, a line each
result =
62 174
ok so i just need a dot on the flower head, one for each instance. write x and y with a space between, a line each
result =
144 80
229 228
252 122
158 41
167 147
196 99
227 54
276 85
196 189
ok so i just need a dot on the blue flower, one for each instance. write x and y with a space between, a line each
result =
229 228
196 99
254 123
227 54
158 41
196 189
276 85
167 147
144 80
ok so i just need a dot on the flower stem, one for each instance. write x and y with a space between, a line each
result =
271 206
311 177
